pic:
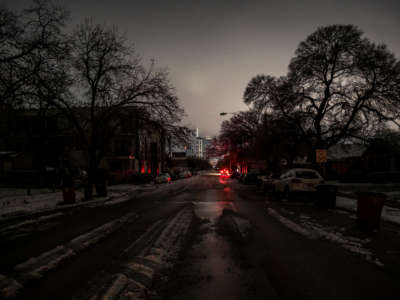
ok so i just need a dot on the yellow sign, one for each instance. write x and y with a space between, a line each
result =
321 155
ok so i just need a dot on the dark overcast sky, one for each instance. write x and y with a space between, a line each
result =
213 47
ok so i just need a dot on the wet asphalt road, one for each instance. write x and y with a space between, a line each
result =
271 262
268 261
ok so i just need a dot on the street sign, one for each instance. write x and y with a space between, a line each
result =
321 155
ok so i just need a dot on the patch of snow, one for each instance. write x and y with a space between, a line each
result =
288 212
394 196
346 203
388 213
17 205
123 188
350 243
141 268
115 289
36 267
166 246
313 230
16 202
85 240
304 217
34 222
119 199
160 254
290 224
341 151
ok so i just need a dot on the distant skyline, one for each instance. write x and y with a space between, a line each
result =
213 48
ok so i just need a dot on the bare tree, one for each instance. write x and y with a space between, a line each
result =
340 85
27 42
106 79
240 132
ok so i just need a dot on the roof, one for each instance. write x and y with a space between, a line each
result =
343 151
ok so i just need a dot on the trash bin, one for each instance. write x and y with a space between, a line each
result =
369 210
68 189
68 194
325 196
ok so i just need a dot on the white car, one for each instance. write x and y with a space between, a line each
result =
296 182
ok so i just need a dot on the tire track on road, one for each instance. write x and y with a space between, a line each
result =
36 267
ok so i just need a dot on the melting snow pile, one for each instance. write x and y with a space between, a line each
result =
138 273
36 267
313 231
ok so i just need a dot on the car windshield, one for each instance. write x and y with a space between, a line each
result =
307 175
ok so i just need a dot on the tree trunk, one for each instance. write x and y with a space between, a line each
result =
92 172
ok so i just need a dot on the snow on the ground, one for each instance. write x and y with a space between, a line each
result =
394 196
350 243
290 224
21 204
36 267
388 213
167 245
136 275
313 230
33 222
14 202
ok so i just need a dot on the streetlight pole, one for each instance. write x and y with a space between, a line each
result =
226 113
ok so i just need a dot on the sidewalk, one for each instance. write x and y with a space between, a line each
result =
338 226
389 214
15 203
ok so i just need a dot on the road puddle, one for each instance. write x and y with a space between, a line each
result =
211 271
213 203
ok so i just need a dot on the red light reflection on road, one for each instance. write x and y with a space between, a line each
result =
223 180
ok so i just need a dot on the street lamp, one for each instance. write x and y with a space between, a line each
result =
226 113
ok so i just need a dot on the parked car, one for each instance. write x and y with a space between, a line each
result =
184 174
174 174
163 178
297 182
250 178
267 183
